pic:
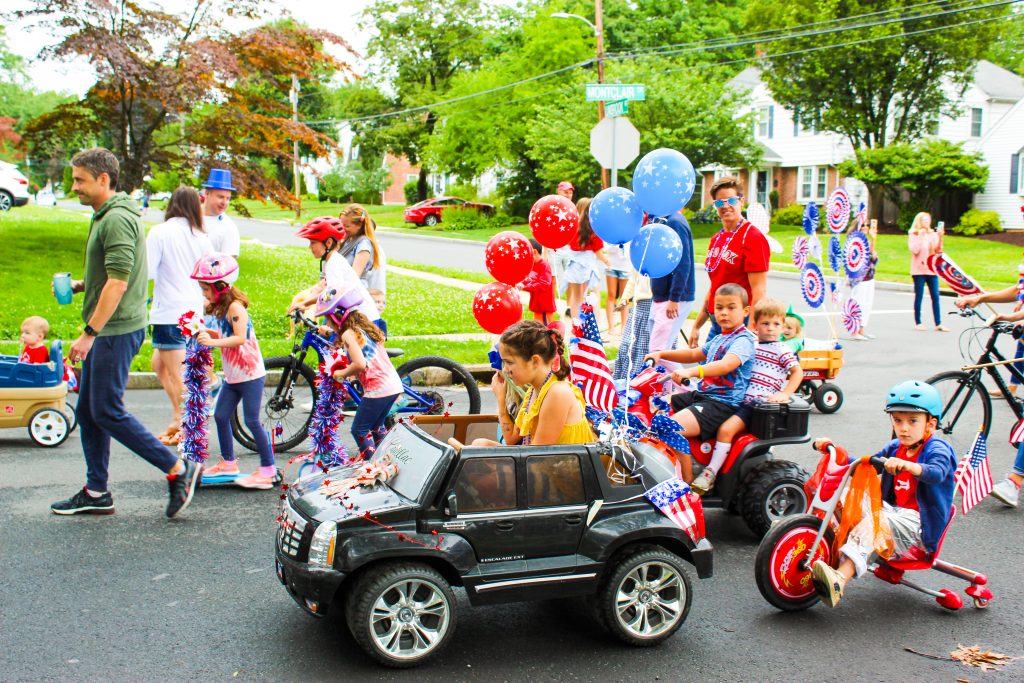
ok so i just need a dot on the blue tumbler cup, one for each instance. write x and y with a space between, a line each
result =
62 287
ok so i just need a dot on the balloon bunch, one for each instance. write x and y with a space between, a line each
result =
509 259
328 450
194 444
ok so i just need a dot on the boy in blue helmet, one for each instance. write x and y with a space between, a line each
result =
917 490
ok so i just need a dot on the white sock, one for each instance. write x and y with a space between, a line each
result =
719 455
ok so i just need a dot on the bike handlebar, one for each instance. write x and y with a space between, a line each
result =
997 325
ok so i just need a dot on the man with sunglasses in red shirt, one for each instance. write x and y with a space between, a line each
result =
738 254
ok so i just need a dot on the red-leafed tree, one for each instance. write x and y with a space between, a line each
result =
179 91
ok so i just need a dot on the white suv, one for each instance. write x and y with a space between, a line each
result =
13 187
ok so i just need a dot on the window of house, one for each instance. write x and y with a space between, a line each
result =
553 480
812 183
765 122
1017 172
486 485
976 122
411 178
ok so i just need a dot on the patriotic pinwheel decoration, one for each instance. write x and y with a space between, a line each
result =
835 253
810 218
801 249
837 210
857 250
815 245
959 281
812 284
851 316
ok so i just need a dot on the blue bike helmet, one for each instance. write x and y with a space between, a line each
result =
913 396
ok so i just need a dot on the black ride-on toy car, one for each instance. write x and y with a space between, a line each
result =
507 524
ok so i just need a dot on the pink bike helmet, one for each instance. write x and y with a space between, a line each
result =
334 302
218 270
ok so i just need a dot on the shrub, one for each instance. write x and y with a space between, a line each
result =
459 218
411 191
789 215
773 199
462 190
975 222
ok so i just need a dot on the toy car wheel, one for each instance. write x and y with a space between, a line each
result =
430 220
980 603
401 614
771 492
806 389
828 398
48 427
646 597
783 570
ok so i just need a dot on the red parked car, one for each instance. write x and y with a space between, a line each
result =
429 212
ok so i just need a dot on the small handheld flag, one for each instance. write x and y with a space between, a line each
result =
589 363
973 476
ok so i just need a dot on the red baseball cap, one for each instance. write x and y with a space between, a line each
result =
565 185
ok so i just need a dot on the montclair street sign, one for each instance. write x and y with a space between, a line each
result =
598 92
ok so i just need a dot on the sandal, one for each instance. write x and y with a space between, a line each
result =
170 437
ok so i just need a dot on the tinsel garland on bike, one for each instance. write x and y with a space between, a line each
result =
194 444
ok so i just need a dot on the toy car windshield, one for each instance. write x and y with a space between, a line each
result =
417 456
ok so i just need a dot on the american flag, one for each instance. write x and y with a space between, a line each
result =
973 477
675 500
1017 433
589 363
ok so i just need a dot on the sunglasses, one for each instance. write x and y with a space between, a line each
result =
731 201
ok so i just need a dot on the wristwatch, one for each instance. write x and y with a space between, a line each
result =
90 331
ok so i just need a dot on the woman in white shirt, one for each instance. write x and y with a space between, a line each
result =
172 249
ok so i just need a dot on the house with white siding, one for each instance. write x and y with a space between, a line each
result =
800 162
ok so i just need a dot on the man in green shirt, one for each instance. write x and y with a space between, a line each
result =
114 313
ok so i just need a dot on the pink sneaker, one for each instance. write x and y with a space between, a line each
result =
255 481
222 469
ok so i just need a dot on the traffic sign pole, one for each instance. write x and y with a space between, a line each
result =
614 169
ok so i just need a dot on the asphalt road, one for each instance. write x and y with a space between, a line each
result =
135 597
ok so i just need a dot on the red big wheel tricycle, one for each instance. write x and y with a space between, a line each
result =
782 567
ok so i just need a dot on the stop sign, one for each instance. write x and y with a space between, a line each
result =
615 142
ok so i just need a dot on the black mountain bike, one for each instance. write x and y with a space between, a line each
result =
966 404
432 386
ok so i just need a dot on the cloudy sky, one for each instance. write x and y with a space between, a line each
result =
76 77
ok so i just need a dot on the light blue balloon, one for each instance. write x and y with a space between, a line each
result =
664 181
656 250
615 215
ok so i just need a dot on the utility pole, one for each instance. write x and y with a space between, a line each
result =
599 33
294 97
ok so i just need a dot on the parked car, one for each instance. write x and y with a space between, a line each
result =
505 524
13 187
429 212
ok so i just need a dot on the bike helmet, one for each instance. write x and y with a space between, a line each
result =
333 301
321 229
218 270
913 396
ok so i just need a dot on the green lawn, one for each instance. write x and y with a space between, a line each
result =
52 239
384 215
456 273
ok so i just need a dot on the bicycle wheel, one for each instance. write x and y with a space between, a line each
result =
288 398
966 407
446 385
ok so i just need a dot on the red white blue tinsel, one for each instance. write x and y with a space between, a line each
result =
194 444
328 451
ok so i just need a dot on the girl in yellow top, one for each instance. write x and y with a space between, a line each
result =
553 410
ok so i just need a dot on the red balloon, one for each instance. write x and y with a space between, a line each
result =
509 257
554 221
496 306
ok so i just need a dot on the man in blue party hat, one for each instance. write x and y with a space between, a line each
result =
216 196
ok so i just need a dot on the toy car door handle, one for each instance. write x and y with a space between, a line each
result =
505 526
574 520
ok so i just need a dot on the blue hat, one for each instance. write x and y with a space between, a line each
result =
220 179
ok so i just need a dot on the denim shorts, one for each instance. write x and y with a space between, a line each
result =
616 273
167 337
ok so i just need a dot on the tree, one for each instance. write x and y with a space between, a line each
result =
914 177
178 91
880 92
1006 50
355 182
420 46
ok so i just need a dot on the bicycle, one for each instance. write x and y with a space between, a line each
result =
288 403
966 404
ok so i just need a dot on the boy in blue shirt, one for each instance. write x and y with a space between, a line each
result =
725 364
917 490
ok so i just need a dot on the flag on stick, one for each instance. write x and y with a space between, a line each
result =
973 476
589 363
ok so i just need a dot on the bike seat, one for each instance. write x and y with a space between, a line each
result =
395 353
918 558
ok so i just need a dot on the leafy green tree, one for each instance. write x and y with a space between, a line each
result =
1006 49
880 92
915 176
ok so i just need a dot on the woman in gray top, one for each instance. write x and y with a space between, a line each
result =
361 248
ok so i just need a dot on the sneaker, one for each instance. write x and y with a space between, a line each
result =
828 583
83 504
867 335
920 328
1006 492
180 488
704 481
941 328
255 481
859 337
225 468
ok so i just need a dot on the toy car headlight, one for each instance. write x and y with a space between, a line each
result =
321 548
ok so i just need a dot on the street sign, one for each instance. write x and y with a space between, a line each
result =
615 143
616 108
597 92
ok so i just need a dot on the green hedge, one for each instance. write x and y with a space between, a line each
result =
464 218
789 215
975 222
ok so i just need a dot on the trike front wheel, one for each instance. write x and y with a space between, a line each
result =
782 567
